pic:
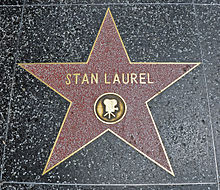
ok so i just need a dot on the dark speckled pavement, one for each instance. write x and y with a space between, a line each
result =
187 114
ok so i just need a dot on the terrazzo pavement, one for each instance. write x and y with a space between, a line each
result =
186 114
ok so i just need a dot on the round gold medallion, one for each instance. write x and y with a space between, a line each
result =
110 108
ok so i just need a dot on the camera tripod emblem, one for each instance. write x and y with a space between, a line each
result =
110 108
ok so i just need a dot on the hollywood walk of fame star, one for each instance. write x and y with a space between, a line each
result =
108 62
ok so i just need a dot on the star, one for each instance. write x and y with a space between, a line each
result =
108 70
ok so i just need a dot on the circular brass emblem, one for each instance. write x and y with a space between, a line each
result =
110 108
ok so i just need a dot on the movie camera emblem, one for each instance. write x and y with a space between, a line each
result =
110 108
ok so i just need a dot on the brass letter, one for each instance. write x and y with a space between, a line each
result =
142 77
133 78
67 76
76 77
106 82
94 78
85 79
123 78
116 79
148 79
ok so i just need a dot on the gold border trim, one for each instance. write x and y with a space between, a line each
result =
108 11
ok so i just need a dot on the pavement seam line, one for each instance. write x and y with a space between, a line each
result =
11 92
207 96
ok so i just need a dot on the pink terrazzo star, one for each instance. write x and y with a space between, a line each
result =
80 126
